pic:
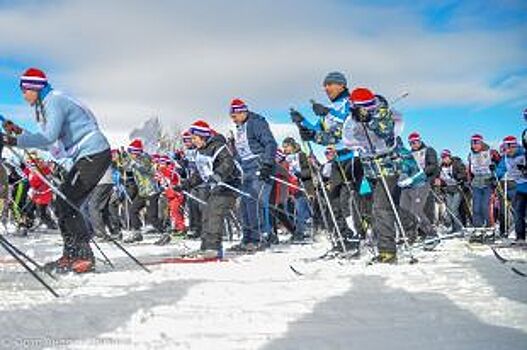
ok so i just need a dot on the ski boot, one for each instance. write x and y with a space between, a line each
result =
178 234
61 265
136 236
84 261
386 258
430 242
193 234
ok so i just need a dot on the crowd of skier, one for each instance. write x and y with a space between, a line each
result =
371 189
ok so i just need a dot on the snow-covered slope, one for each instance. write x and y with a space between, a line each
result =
455 298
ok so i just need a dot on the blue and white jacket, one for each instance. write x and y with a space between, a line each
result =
328 129
70 130
255 141
509 165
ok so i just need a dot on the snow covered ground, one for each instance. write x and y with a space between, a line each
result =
455 298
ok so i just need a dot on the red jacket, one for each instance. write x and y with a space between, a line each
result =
40 193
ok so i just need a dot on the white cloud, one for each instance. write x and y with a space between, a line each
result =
181 60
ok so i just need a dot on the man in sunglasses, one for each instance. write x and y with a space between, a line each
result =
514 165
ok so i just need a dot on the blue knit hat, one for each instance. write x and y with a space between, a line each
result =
335 78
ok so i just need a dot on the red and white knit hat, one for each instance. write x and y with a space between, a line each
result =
238 106
279 155
362 97
476 138
33 79
136 146
414 137
201 128
186 136
446 153
164 159
510 141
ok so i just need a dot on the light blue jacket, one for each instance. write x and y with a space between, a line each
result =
509 165
69 127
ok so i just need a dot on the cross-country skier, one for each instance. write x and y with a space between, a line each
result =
372 131
346 172
426 157
451 181
215 167
255 151
299 168
72 130
481 166
147 195
513 163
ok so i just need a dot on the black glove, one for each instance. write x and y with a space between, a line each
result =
7 140
361 114
306 134
492 167
522 168
320 109
11 128
296 117
325 138
265 171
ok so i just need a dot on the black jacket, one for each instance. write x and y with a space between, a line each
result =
305 175
459 173
431 168
223 166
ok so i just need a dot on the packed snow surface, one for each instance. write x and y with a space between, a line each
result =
456 297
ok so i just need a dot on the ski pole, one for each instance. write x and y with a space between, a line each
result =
247 195
402 96
320 181
283 182
43 177
77 209
389 194
191 196
448 209
25 256
11 252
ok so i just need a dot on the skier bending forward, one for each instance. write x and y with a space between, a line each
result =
68 130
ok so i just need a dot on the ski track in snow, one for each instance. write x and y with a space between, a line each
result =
455 297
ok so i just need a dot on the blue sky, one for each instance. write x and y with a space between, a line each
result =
464 63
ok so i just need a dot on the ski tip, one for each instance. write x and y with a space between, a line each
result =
298 273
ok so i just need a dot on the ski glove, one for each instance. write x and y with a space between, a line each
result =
296 117
320 110
11 128
305 133
361 114
326 138
7 140
265 172
522 168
